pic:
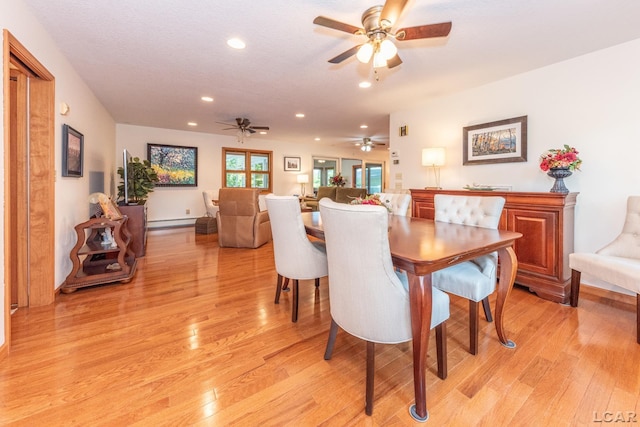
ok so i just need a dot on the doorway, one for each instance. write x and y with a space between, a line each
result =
29 175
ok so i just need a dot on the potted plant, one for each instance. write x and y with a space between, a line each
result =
141 179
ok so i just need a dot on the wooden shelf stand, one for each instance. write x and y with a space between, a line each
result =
94 263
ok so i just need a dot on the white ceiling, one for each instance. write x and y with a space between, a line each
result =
150 61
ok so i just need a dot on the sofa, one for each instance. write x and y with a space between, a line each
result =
337 194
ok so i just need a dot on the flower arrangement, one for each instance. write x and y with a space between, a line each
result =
338 181
566 157
372 199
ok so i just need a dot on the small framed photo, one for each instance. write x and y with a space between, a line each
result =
404 131
72 152
292 164
496 142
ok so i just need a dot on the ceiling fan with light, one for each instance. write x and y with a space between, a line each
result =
244 128
367 144
378 23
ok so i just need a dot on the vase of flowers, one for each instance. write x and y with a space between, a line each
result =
338 181
559 163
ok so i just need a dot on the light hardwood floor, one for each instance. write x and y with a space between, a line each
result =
195 339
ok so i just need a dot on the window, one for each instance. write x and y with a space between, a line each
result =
247 168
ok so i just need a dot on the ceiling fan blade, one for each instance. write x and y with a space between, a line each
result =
250 130
235 127
260 127
337 25
394 62
424 31
344 55
391 12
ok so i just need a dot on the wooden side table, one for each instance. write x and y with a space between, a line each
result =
95 263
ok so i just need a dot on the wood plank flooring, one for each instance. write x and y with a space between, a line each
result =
195 339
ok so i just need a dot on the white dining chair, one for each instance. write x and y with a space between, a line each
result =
369 300
209 204
474 280
296 257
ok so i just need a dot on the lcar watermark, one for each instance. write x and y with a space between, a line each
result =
615 417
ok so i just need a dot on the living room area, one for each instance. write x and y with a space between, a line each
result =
198 321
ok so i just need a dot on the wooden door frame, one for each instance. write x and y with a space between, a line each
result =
39 185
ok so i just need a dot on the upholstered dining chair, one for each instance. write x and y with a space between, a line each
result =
369 300
474 280
210 206
241 224
296 257
398 202
618 263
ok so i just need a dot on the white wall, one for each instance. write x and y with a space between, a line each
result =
86 115
167 206
590 102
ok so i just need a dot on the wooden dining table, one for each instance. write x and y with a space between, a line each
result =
420 247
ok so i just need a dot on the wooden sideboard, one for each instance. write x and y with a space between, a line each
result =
546 223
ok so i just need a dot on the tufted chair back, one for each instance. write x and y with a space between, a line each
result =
478 211
627 244
399 202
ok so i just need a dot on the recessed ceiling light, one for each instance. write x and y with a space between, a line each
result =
364 85
317 139
263 132
207 99
236 43
363 126
299 115
192 124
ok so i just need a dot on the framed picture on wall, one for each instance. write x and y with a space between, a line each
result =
176 166
495 142
292 164
72 152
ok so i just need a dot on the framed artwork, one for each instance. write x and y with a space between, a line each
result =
403 131
72 152
292 164
176 166
496 142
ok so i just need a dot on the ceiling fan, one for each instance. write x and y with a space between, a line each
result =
244 128
378 23
244 125
367 144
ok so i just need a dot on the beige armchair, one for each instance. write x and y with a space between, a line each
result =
617 263
241 224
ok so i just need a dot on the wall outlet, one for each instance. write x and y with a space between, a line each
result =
188 211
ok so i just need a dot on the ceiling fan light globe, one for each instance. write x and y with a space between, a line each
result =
365 52
387 49
379 61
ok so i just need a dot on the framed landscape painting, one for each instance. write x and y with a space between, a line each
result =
72 152
176 166
496 142
292 163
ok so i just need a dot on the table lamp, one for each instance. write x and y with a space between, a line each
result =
302 180
434 157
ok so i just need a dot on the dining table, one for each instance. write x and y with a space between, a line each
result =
422 246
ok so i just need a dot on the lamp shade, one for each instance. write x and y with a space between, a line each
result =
433 156
365 52
302 179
